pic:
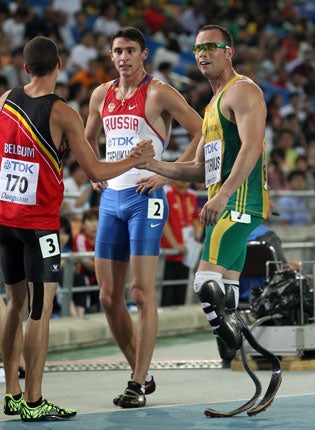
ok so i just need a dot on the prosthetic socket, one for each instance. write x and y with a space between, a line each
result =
218 301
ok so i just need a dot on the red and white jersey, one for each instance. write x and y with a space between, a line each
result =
125 124
31 182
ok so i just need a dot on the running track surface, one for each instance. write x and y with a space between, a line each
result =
189 379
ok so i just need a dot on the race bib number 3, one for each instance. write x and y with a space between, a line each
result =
155 208
49 245
18 181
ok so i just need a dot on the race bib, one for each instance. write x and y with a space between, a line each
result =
213 157
49 245
155 208
240 217
18 181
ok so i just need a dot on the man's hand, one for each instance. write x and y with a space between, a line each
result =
150 184
211 211
143 151
99 186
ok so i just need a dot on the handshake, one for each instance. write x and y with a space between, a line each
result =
143 152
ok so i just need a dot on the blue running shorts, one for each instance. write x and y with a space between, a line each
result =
130 223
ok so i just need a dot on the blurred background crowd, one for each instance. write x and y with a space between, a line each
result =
274 45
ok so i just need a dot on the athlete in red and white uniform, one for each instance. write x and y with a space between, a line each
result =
125 124
132 215
130 223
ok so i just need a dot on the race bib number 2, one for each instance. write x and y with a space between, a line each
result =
155 208
18 181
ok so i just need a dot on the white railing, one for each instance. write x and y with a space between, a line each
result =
69 260
68 276
307 247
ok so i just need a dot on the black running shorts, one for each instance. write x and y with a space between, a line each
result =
28 254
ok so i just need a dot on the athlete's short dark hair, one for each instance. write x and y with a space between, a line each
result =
227 37
131 33
41 55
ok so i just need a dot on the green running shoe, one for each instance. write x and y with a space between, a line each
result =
12 406
44 411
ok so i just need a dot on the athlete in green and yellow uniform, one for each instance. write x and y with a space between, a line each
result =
230 159
248 205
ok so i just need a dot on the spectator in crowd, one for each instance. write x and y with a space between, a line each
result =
277 170
82 53
102 44
311 158
66 240
80 278
62 90
308 126
303 163
34 24
64 30
294 105
65 73
193 17
173 151
81 23
291 122
295 85
77 183
85 242
65 233
293 209
285 141
93 75
154 16
132 14
77 93
273 106
14 70
202 197
69 7
181 232
84 110
163 72
14 27
107 22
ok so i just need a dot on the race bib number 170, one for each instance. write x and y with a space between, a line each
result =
18 181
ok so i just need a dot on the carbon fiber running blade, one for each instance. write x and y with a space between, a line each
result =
276 376
212 413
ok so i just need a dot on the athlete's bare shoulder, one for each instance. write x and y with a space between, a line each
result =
63 116
98 95
102 88
158 87
3 98
243 88
244 83
162 93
